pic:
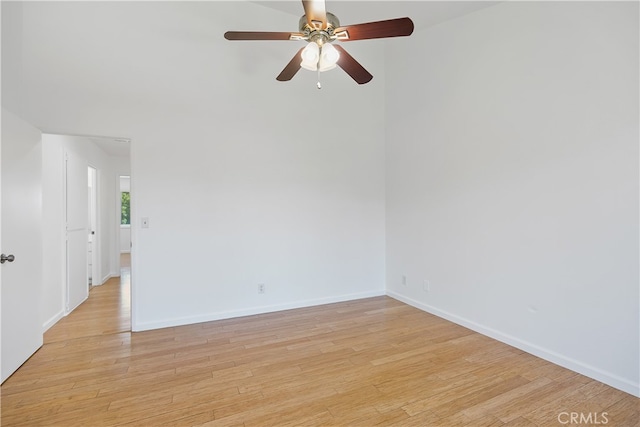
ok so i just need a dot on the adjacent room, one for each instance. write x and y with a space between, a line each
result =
442 229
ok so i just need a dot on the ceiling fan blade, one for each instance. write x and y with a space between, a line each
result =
375 30
261 35
292 68
352 67
316 13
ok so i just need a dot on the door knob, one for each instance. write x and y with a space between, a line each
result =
4 258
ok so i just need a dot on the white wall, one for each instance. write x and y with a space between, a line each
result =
258 193
54 289
12 74
54 147
122 167
125 183
125 239
255 181
512 179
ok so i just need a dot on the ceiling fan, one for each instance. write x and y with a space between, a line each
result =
320 29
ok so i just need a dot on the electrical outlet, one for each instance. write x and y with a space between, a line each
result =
261 288
404 280
426 285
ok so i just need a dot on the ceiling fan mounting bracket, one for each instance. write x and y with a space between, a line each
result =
315 33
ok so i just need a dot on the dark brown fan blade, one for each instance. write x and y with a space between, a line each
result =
375 30
352 67
292 67
316 13
259 35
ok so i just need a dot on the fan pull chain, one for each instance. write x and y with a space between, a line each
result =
318 84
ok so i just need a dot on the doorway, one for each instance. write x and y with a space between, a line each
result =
92 238
124 197
125 214
103 160
80 195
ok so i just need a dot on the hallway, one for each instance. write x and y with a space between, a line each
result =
104 312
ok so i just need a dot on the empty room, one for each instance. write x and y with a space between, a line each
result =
335 213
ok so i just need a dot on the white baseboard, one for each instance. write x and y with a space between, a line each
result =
551 356
144 326
70 310
107 277
49 323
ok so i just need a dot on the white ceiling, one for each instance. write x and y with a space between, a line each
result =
107 68
423 13
117 147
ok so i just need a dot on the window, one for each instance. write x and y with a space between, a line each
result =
125 216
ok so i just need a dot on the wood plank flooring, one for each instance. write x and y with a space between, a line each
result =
362 363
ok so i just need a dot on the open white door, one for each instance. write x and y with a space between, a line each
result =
92 255
77 215
21 233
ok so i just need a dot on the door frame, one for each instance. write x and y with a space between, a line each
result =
95 248
133 205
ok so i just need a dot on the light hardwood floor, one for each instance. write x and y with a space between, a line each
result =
369 362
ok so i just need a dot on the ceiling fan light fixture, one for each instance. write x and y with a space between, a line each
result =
329 56
310 55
